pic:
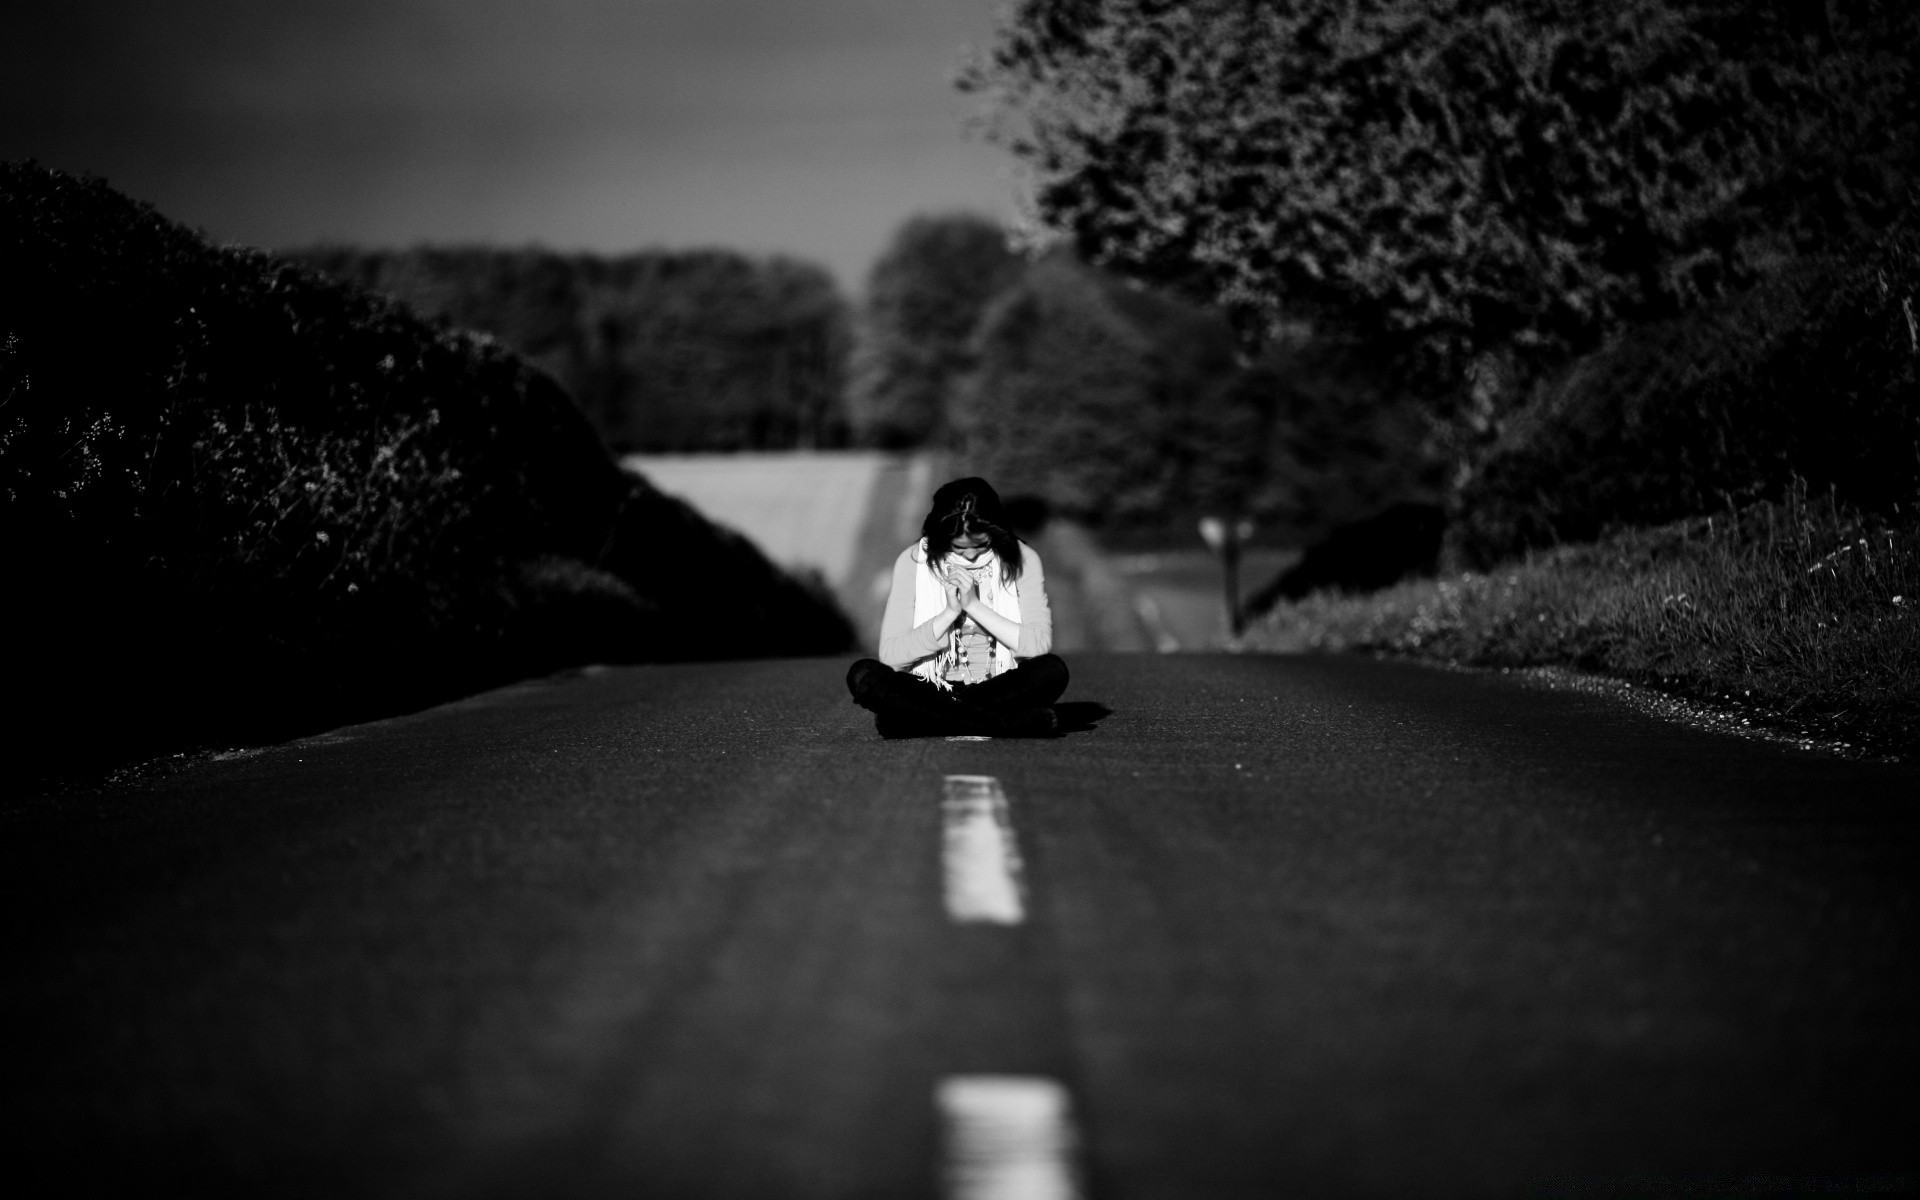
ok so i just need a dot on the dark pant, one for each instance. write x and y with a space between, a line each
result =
907 703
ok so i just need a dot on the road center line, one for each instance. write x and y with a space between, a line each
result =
978 852
1007 1137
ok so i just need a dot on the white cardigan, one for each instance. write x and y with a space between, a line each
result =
908 640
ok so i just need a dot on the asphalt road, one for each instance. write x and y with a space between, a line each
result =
1294 927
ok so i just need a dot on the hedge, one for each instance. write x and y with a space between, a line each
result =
243 499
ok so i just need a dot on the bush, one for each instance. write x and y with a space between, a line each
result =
1813 375
1336 442
1399 541
1805 612
244 499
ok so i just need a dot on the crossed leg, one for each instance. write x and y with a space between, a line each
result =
904 704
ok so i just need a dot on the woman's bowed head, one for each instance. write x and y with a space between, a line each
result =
965 639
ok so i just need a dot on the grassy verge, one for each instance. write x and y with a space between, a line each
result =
1802 612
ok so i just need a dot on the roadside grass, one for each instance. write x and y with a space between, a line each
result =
1802 613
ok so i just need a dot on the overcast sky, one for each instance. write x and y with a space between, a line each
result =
811 127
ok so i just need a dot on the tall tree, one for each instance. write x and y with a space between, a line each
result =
1457 181
924 297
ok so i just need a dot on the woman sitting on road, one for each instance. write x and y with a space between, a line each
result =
963 644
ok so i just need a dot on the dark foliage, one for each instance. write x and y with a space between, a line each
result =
1401 541
1027 515
1481 192
1814 375
1797 613
713 594
1453 178
1337 440
665 351
1106 401
924 299
242 499
1131 410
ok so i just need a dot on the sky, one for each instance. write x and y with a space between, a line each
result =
805 127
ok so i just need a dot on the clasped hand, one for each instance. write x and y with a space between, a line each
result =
962 590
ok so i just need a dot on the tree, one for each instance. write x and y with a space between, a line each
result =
663 350
1457 181
713 350
1103 398
1338 441
924 297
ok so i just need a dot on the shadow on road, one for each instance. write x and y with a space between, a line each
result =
1080 716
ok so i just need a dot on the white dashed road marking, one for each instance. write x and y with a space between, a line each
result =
1006 1137
1003 1137
978 851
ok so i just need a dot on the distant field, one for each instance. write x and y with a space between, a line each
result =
803 509
842 513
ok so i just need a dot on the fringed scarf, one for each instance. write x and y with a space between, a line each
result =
930 599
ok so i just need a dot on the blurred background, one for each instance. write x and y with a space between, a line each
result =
720 225
808 128
1371 292
362 356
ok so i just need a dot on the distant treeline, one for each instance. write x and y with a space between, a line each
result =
241 499
1127 408
662 350
1123 406
1134 410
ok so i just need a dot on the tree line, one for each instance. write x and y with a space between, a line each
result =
1123 405
662 350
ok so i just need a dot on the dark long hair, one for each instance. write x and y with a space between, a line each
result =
968 506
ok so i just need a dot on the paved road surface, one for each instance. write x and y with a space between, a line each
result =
1287 927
